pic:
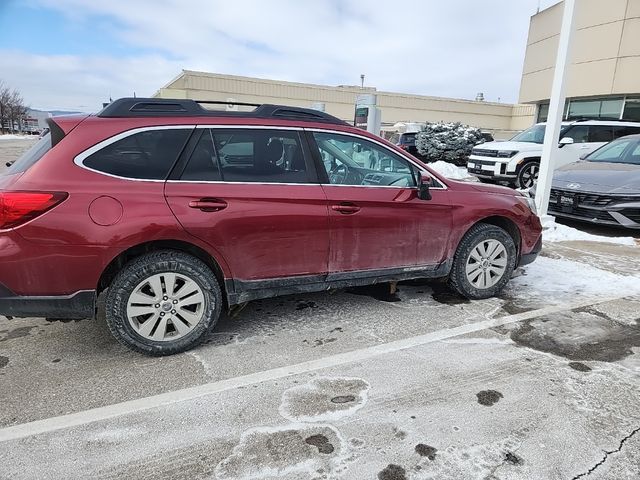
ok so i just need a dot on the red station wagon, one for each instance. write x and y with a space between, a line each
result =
176 211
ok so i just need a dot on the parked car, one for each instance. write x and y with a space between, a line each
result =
517 161
603 187
407 142
175 212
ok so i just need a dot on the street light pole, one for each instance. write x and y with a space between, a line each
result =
556 110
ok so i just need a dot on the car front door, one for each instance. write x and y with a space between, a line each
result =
377 222
252 194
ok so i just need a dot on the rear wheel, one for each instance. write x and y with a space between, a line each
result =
163 303
483 262
528 175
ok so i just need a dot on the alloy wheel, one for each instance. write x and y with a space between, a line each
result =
529 175
165 307
486 264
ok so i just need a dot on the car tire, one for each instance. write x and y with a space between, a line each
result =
483 262
177 293
528 174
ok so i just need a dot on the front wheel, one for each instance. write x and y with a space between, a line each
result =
163 303
528 175
483 262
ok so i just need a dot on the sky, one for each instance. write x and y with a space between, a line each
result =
76 54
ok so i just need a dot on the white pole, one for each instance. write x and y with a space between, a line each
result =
556 110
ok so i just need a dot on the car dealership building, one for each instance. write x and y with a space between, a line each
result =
603 80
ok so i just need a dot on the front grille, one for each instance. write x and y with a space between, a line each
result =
483 162
481 152
595 199
591 206
632 214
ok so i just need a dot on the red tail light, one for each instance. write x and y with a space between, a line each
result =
17 208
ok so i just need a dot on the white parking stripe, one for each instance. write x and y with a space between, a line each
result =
163 399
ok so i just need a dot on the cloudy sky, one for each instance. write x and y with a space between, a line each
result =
75 54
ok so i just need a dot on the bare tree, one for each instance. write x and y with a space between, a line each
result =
5 94
12 109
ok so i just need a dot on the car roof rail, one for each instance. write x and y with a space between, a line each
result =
590 119
160 107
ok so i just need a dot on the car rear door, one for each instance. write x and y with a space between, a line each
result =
376 219
252 194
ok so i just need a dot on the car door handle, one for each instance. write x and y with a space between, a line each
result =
208 204
345 208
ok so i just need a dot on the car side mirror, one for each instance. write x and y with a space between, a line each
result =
565 141
423 187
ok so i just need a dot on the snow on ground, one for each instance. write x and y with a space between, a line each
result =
562 233
449 170
17 137
554 279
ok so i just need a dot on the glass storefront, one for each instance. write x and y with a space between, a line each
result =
616 108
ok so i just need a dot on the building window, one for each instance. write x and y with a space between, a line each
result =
543 112
609 109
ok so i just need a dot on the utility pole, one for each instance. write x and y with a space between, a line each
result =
556 109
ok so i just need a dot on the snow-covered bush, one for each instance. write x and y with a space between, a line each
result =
450 142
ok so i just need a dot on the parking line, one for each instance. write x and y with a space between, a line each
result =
132 406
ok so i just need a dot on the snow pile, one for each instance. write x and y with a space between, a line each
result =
449 170
557 280
561 233
451 142
17 137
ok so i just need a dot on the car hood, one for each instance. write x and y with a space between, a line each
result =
599 177
485 188
519 146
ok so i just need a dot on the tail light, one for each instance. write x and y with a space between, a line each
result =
17 208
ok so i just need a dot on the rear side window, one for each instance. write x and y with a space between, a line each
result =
600 133
624 131
203 164
246 155
147 155
31 156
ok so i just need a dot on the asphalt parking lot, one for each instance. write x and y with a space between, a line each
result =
542 382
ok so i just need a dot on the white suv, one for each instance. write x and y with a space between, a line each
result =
517 161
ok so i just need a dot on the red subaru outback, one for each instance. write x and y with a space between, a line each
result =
178 211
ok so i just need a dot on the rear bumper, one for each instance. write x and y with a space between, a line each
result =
78 305
527 258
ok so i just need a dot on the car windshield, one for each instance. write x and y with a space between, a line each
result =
534 134
624 150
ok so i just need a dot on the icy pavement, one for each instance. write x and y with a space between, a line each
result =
542 382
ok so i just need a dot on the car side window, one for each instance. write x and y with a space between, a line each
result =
579 133
203 164
260 155
353 161
600 133
147 155
624 131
